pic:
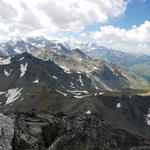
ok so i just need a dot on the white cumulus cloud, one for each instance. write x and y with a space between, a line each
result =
20 17
110 35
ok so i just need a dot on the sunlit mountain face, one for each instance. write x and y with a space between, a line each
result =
75 75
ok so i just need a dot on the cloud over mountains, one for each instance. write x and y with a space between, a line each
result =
136 35
20 17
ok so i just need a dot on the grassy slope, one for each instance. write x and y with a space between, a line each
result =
143 70
145 89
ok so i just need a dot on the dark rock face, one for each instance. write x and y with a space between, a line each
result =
73 132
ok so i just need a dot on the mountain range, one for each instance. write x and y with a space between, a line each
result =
137 63
55 95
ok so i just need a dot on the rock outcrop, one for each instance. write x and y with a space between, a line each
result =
6 132
74 132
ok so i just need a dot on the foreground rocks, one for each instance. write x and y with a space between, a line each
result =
92 123
74 132
6 132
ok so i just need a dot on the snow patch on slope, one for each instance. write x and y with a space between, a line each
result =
100 93
95 68
36 81
12 95
118 105
76 96
65 69
54 77
21 58
148 117
23 69
77 91
62 93
17 50
81 81
6 73
72 85
1 93
5 61
88 112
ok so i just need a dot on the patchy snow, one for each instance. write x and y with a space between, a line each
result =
78 72
55 77
111 69
39 45
72 85
80 59
81 81
95 68
88 112
62 93
65 69
17 50
118 105
23 69
58 47
21 58
12 95
78 91
76 96
100 93
7 73
63 87
95 94
148 117
5 61
36 81
1 93
96 87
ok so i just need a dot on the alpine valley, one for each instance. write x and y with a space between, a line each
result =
61 95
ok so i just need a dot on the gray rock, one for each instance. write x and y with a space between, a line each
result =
6 132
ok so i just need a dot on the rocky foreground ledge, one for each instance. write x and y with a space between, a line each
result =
29 131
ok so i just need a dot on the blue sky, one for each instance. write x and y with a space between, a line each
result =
118 24
136 14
